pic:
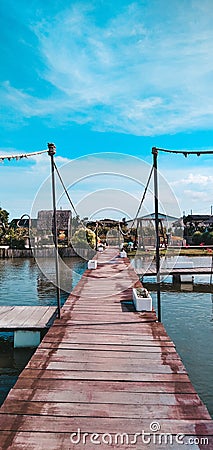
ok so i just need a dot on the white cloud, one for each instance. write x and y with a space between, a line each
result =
145 71
194 190
196 195
195 179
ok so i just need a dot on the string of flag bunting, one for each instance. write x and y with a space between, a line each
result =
21 156
186 152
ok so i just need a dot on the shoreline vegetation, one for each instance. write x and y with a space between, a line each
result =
70 252
173 252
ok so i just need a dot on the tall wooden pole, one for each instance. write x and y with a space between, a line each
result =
51 153
119 239
96 236
157 253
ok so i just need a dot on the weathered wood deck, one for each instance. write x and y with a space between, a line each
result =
104 369
26 317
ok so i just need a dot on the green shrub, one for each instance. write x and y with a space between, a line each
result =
197 237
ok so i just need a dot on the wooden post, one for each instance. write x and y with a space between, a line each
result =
96 236
136 235
51 153
119 238
157 253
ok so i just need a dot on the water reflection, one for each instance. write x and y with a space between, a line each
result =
23 283
12 362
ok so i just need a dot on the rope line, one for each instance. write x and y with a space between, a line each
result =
67 194
22 155
186 152
140 205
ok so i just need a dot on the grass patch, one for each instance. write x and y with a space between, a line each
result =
173 252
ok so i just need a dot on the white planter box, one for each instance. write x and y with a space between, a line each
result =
141 303
92 264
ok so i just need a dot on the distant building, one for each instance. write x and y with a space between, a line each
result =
146 229
198 220
165 218
44 226
104 222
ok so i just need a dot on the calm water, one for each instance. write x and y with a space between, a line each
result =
187 317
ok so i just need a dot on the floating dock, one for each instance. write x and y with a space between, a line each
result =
26 322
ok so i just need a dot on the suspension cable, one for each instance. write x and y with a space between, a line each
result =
67 194
140 205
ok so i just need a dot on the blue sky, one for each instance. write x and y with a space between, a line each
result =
106 76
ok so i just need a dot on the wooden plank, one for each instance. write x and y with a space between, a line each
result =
25 317
111 365
5 310
148 394
112 410
16 314
29 313
105 320
39 316
111 330
95 355
89 387
75 333
48 424
48 315
109 347
140 328
101 375
97 339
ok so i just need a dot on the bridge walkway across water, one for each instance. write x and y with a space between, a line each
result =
103 375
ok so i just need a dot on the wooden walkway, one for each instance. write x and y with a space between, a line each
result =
103 370
26 317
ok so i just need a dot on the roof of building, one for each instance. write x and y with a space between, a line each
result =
152 217
23 223
198 218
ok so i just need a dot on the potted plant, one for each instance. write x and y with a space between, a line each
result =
142 299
